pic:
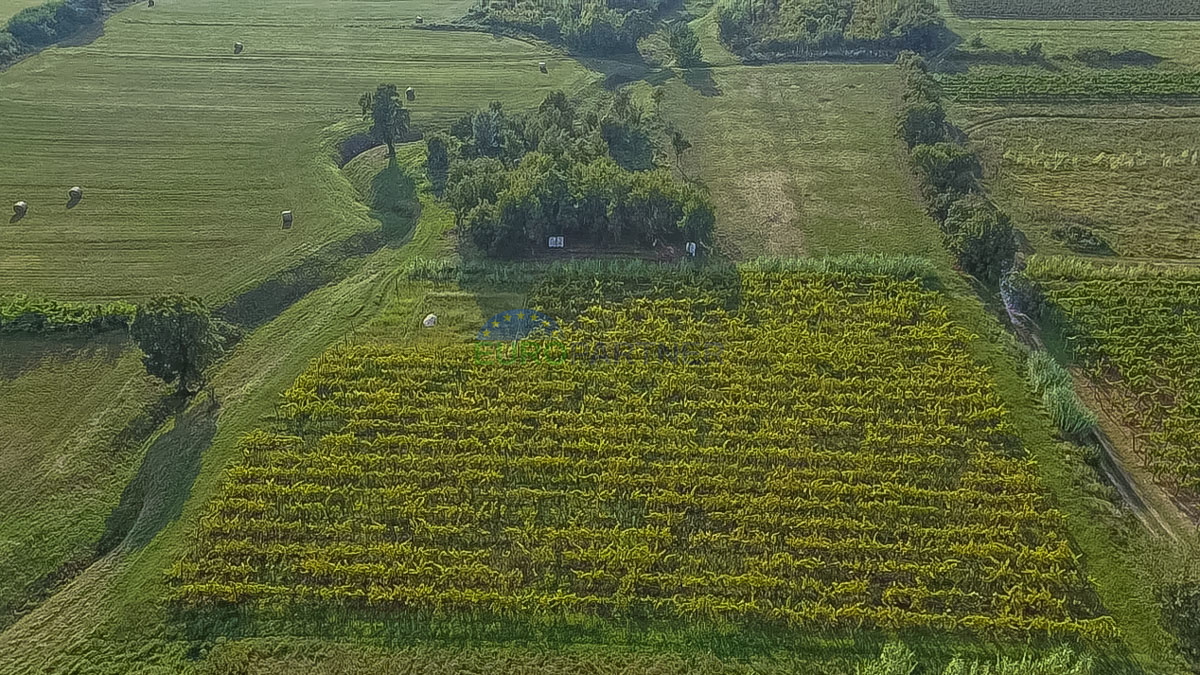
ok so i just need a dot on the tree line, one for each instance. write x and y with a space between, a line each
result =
596 27
37 27
980 236
588 173
779 29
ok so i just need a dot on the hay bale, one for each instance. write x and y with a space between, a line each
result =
410 94
430 321
149 3
75 193
542 66
20 208
238 47
420 20
287 220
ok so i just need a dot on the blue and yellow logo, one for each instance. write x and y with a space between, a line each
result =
518 336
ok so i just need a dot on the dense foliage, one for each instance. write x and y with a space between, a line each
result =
23 314
816 28
36 27
898 659
597 27
388 117
978 235
179 338
789 482
586 174
1077 9
1134 330
1181 607
1033 84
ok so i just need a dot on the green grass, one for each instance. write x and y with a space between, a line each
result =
187 154
1126 180
10 7
1176 41
67 403
801 159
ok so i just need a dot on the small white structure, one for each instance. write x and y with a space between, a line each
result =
20 208
287 220
691 248
430 321
556 242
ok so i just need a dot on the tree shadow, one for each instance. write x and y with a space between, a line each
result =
157 493
21 353
701 79
16 217
621 71
394 202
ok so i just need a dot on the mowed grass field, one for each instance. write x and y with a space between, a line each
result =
65 404
801 159
1131 181
1178 42
187 154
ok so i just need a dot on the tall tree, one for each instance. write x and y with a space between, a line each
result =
437 160
684 44
180 340
389 119
680 145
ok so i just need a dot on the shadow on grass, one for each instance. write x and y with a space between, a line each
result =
701 79
394 203
156 494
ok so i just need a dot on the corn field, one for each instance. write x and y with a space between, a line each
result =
843 465
1136 333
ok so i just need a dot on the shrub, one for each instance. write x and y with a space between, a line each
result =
980 237
947 167
923 123
1181 610
37 27
684 44
437 160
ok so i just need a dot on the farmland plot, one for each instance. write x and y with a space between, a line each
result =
187 153
843 464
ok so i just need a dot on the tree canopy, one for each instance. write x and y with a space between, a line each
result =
389 118
179 338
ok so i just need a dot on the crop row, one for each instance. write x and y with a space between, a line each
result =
1138 337
843 464
986 83
1077 9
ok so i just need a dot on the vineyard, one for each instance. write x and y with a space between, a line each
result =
1134 330
844 464
1077 9
1030 84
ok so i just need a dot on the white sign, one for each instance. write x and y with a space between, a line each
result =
556 242
691 248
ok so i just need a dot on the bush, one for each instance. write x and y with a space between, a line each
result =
437 160
923 123
980 237
41 26
22 314
1181 610
947 167
1054 383
684 44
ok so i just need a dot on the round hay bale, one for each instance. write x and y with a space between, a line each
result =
149 3
238 47
420 20
75 193
542 66
410 94
287 220
20 208
430 321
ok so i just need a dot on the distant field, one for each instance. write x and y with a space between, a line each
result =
187 154
64 402
1078 9
1070 84
801 159
10 7
405 482
1131 181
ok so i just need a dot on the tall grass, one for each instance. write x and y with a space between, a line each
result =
1053 382
898 659
1043 267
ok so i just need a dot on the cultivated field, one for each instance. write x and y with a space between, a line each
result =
187 154
1132 329
785 484
801 159
1078 9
